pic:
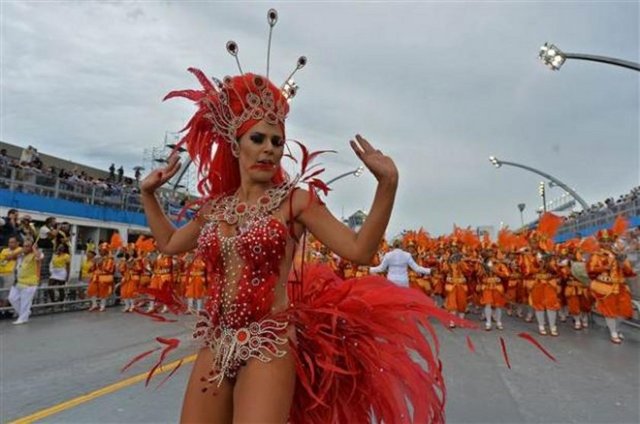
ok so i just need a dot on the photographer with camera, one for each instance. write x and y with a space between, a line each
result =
63 236
26 228
45 242
9 227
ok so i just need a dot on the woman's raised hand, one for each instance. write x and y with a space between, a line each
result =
159 176
381 166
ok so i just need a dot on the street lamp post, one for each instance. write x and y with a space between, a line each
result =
356 172
543 194
498 163
521 207
554 58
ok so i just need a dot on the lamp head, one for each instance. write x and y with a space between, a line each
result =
541 188
552 56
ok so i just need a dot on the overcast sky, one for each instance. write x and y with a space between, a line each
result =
439 86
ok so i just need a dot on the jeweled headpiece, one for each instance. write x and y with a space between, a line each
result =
227 108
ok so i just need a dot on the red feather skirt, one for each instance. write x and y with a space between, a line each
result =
365 347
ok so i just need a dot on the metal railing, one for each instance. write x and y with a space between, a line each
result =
75 298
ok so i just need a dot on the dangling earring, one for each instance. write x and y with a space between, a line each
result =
235 149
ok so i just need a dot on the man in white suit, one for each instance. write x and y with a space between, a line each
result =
396 262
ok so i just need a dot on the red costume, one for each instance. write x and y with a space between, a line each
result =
248 316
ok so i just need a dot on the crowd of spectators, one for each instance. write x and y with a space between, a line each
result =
30 166
114 190
26 254
602 212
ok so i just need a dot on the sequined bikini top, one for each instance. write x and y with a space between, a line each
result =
244 267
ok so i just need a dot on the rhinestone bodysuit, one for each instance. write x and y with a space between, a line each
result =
243 246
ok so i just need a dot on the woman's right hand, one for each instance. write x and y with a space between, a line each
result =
159 176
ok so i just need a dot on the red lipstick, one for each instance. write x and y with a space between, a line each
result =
263 166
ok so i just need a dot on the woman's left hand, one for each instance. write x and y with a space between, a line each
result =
381 166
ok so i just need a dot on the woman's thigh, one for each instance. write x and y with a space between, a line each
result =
264 391
215 405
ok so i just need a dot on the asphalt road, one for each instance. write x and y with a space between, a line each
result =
56 358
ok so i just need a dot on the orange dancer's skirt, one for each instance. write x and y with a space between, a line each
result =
100 286
437 285
424 285
544 296
129 288
494 297
615 305
195 287
511 294
456 300
579 299
158 281
524 289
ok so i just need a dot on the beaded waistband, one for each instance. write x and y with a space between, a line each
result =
233 347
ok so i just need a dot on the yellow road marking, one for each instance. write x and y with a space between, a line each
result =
55 409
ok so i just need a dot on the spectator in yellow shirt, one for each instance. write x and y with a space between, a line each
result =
59 272
85 270
91 246
28 276
8 258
